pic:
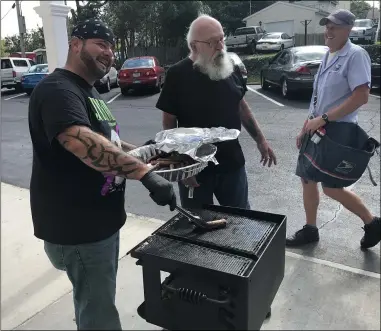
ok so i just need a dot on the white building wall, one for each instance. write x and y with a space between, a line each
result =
284 12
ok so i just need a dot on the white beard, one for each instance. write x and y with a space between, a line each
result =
220 68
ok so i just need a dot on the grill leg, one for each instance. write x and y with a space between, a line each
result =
268 315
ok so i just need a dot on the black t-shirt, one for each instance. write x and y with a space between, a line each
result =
198 101
71 203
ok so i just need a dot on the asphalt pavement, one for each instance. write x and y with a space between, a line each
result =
274 189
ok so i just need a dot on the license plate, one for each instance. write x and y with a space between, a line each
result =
136 74
137 81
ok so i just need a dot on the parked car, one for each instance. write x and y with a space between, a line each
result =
238 62
293 69
363 31
275 41
141 72
12 69
375 74
245 39
107 81
33 76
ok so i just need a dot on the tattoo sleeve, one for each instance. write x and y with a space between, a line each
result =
101 154
127 147
249 122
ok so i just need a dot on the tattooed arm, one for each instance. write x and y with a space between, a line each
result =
127 147
250 123
100 154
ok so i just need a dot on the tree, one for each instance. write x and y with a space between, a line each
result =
33 39
360 8
86 10
3 51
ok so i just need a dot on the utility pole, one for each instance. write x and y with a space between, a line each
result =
305 23
22 29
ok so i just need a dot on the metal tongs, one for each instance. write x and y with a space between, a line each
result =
196 220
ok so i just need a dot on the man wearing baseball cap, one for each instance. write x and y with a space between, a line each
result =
341 87
80 167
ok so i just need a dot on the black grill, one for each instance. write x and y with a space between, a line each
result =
243 234
194 255
223 279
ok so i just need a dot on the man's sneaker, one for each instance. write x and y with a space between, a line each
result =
308 234
372 234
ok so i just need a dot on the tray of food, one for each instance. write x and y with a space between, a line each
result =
174 166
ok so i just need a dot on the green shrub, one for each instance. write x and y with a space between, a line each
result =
254 65
373 51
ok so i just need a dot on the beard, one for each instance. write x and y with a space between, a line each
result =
219 68
96 69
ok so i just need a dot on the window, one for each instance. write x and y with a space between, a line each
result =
244 31
284 58
311 55
271 36
20 63
138 63
6 64
32 63
285 36
39 69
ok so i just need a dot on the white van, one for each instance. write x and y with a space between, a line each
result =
12 68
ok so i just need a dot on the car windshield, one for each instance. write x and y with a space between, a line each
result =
244 31
363 24
310 55
138 63
271 36
39 68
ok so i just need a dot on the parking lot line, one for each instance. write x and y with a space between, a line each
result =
15 96
375 95
266 97
113 98
333 265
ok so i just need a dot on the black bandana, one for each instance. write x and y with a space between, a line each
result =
93 28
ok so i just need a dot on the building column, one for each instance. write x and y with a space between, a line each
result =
54 14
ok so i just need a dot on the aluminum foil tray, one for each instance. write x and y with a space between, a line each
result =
173 175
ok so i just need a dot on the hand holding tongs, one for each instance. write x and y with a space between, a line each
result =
196 220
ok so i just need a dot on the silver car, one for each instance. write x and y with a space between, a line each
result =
275 41
108 81
12 69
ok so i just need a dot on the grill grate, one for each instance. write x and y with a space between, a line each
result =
195 255
242 234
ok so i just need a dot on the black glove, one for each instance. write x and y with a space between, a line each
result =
161 190
150 142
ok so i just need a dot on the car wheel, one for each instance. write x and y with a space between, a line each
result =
281 47
253 48
124 91
264 84
157 88
108 86
284 88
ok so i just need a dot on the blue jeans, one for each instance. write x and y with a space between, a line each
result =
92 270
230 189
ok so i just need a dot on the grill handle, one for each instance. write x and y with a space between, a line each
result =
192 296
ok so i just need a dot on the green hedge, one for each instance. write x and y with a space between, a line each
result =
255 63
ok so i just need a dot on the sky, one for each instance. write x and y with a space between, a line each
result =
9 25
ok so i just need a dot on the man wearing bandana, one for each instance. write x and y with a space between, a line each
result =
79 173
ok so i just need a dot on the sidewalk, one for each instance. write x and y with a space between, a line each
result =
315 294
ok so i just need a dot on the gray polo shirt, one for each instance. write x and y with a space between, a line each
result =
336 79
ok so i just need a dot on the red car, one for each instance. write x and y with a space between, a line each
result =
141 72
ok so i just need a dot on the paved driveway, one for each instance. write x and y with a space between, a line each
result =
274 189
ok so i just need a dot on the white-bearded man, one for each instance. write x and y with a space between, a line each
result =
206 90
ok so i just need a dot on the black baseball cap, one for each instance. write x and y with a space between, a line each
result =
93 28
341 17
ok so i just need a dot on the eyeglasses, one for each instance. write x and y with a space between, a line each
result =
211 44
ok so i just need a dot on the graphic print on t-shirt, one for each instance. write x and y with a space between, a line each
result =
111 130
